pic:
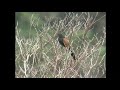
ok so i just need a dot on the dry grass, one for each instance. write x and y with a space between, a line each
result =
43 57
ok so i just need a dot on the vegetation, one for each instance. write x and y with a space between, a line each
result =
39 54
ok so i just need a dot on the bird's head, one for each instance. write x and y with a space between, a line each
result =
60 35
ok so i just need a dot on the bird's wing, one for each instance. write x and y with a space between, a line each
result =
66 42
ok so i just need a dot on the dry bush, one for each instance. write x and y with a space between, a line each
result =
43 57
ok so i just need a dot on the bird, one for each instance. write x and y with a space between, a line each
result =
64 41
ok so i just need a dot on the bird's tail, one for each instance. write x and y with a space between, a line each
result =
72 54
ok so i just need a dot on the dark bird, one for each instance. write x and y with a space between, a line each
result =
64 41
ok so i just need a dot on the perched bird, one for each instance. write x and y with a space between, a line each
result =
64 41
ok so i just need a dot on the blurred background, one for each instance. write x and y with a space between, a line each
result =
24 21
